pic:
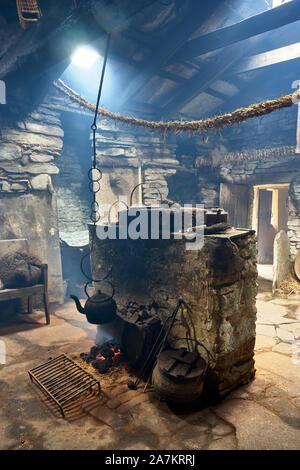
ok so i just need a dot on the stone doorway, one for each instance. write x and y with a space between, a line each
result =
269 216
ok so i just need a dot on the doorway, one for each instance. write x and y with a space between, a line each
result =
270 215
234 199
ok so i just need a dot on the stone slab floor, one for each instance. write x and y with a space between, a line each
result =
264 414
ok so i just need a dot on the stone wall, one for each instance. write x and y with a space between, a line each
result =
29 148
218 283
259 151
294 216
71 183
45 156
130 156
126 155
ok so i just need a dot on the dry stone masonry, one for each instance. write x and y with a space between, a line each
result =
218 283
150 159
29 149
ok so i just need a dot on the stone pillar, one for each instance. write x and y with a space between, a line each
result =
281 263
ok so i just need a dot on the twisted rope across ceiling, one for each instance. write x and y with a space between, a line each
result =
215 123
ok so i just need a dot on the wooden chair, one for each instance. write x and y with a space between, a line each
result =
21 292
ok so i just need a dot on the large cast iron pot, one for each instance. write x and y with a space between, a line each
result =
178 375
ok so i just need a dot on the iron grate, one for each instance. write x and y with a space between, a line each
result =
63 380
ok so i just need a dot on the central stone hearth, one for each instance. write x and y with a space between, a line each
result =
217 282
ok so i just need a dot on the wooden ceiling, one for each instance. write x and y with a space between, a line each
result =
179 58
208 56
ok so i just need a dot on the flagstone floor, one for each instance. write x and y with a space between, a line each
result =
265 414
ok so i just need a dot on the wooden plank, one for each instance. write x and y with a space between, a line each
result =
196 15
234 199
9 294
217 94
263 85
265 59
257 24
266 232
202 80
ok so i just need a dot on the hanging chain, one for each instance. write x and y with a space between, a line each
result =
95 175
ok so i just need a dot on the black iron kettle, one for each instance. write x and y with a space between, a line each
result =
99 309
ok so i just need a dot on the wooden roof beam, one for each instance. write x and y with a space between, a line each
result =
263 85
204 79
266 59
257 24
196 15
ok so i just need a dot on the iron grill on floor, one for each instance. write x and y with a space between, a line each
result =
63 381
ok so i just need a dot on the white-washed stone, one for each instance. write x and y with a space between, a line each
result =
41 158
40 168
9 152
46 118
12 168
41 182
30 138
43 128
18 187
113 151
5 186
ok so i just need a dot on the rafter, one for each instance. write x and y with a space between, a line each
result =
171 76
216 94
263 86
202 80
258 24
196 15
268 58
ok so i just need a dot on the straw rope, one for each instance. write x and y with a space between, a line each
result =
283 152
215 123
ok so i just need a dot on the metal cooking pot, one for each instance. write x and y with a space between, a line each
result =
178 375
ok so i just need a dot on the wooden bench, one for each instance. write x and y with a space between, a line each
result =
21 292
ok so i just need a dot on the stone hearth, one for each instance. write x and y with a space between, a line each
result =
218 283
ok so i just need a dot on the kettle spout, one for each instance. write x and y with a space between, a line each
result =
78 304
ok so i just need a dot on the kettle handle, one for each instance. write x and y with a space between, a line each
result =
150 183
98 282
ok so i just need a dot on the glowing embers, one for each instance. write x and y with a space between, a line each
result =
85 57
104 357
